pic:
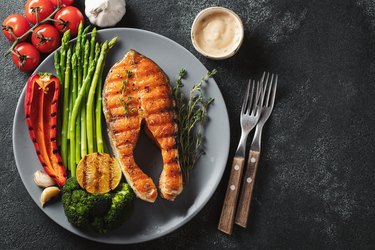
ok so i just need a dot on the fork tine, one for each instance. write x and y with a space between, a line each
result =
244 104
250 98
272 101
264 90
260 91
266 104
255 107
262 79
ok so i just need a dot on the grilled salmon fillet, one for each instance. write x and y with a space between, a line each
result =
137 91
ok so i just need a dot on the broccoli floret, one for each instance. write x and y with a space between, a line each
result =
78 215
101 203
71 185
76 204
99 212
120 202
99 225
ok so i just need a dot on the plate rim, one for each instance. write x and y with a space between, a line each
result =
157 235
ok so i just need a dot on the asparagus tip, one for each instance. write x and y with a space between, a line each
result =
112 42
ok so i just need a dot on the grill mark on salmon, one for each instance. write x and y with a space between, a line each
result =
152 104
124 143
160 121
114 118
118 105
154 112
124 130
157 97
165 135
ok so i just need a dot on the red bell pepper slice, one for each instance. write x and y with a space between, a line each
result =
42 94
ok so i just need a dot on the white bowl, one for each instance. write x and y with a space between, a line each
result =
209 11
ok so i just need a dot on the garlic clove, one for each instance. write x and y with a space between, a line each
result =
43 180
105 13
48 194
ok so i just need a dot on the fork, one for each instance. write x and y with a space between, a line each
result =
248 119
266 106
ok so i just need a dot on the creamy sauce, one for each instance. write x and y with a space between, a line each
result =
217 34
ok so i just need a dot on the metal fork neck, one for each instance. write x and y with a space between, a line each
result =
242 144
256 143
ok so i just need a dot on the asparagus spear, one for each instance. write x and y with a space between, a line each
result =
70 94
78 52
60 70
64 45
86 58
64 140
98 107
83 43
83 108
84 36
78 138
94 123
98 114
74 97
56 59
77 134
92 44
112 42
83 50
91 95
79 34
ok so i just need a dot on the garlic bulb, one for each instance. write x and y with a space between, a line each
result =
105 13
42 179
48 193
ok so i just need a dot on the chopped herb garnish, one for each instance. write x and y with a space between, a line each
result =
126 108
122 101
125 82
192 113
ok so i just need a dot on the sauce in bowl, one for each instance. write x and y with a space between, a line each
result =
217 33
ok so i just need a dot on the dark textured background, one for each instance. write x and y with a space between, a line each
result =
315 187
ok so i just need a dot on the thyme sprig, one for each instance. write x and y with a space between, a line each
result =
192 114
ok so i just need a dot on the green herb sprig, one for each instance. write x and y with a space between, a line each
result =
192 114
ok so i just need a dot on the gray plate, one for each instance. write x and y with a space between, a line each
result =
147 221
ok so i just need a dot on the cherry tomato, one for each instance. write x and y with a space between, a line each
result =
26 57
43 7
46 38
68 18
16 24
57 3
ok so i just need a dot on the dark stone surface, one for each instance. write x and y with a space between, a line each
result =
315 186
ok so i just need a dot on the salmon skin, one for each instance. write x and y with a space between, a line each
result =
137 92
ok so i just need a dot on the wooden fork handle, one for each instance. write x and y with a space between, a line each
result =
231 196
242 214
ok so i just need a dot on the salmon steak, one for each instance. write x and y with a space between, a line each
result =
137 94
